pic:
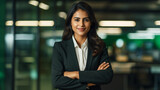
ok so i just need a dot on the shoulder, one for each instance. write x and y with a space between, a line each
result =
58 47
104 50
61 44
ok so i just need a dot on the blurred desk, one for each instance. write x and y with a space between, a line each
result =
133 67
155 69
134 76
122 67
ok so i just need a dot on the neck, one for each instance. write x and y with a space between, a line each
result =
80 40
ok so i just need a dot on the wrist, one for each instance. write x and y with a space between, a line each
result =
77 74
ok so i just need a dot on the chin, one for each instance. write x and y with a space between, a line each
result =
82 35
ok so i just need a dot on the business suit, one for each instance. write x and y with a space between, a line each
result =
64 59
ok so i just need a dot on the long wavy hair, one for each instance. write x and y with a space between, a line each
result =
94 40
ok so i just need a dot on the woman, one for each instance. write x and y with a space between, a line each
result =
80 60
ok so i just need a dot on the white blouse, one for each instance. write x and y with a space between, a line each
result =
81 53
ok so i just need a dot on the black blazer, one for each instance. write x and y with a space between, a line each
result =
65 59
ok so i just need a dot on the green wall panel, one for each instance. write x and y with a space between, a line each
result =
2 49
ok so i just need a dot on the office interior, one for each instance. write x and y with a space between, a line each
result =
29 29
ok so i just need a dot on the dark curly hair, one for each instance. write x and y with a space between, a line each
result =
94 40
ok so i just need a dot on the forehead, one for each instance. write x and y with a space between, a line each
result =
80 13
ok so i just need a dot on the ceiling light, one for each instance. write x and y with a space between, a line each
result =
42 23
44 6
26 23
157 22
62 15
41 5
141 36
24 37
9 23
102 35
155 31
33 2
110 31
46 23
117 23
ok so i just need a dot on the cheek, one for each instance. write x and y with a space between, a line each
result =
89 26
74 25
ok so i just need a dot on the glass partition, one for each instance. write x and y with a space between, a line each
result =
22 45
26 46
48 35
9 45
2 45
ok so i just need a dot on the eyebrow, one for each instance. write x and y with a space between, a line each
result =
78 17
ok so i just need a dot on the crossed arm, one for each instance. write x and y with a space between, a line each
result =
75 74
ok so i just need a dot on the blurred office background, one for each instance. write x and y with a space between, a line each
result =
29 28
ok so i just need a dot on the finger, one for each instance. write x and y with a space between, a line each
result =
100 66
106 67
103 66
91 84
64 73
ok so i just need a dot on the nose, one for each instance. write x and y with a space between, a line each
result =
81 23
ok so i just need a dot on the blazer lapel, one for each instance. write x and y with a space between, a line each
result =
73 57
72 54
89 58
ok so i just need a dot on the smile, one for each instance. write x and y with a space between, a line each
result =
81 29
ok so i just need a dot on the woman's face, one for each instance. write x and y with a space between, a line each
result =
80 23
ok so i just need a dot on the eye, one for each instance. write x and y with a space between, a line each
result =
76 19
86 19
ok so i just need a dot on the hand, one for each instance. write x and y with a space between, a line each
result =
90 84
72 74
103 66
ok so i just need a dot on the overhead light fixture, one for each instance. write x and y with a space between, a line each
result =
26 23
41 5
44 6
42 23
141 36
115 23
110 31
46 23
33 2
24 37
157 22
155 31
9 23
62 15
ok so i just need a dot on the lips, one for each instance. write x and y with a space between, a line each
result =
81 29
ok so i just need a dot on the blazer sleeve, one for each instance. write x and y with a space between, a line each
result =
59 81
98 76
